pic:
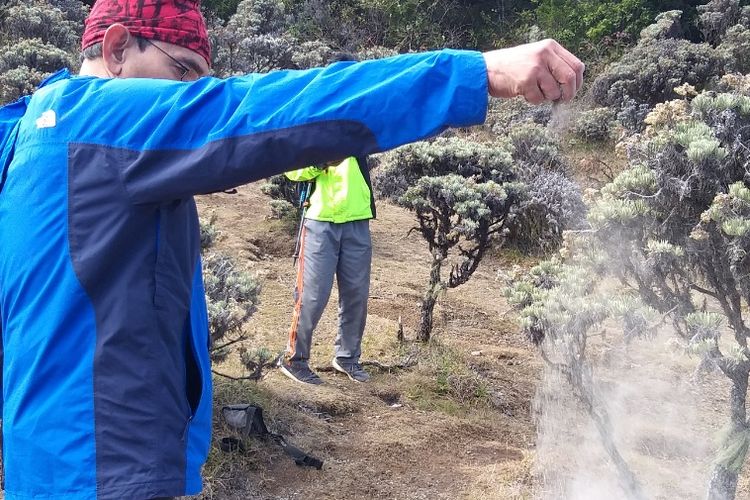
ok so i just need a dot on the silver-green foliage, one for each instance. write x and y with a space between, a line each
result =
478 161
649 72
562 305
680 217
462 193
453 208
232 296
504 114
717 16
37 38
468 196
552 201
734 47
257 39
594 125
254 39
549 203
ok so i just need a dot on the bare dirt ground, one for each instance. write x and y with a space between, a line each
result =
457 425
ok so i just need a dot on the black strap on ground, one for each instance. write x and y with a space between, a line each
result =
300 457
248 420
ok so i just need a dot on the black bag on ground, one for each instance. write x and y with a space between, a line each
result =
247 419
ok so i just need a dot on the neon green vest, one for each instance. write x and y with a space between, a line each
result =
341 193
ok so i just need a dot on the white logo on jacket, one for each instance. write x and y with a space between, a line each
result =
47 120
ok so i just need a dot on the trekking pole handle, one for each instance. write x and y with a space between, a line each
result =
303 203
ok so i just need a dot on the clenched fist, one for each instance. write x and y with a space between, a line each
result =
540 71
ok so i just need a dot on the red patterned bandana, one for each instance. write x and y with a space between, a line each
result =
179 22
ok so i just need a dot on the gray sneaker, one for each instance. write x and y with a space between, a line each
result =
352 370
299 371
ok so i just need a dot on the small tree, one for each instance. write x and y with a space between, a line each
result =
680 217
562 306
469 196
462 193
461 215
254 39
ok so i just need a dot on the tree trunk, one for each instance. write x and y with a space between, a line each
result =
723 483
597 410
429 300
425 320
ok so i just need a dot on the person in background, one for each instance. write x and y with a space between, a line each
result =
335 241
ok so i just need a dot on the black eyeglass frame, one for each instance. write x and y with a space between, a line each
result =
185 70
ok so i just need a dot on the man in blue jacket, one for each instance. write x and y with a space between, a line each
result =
106 377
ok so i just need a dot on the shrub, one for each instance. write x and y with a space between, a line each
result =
665 26
632 114
649 72
232 297
375 52
462 193
735 47
716 17
36 39
552 205
553 202
403 167
254 39
504 114
285 204
34 55
594 125
55 23
17 82
534 147
313 54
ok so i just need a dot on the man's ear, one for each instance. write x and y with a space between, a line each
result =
117 39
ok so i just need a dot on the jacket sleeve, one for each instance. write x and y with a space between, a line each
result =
173 139
303 174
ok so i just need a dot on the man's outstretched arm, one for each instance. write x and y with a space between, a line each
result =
176 140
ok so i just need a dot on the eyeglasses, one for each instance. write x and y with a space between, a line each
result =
185 70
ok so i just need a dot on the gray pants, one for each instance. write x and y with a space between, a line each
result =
328 249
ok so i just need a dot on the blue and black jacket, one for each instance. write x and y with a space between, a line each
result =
105 375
